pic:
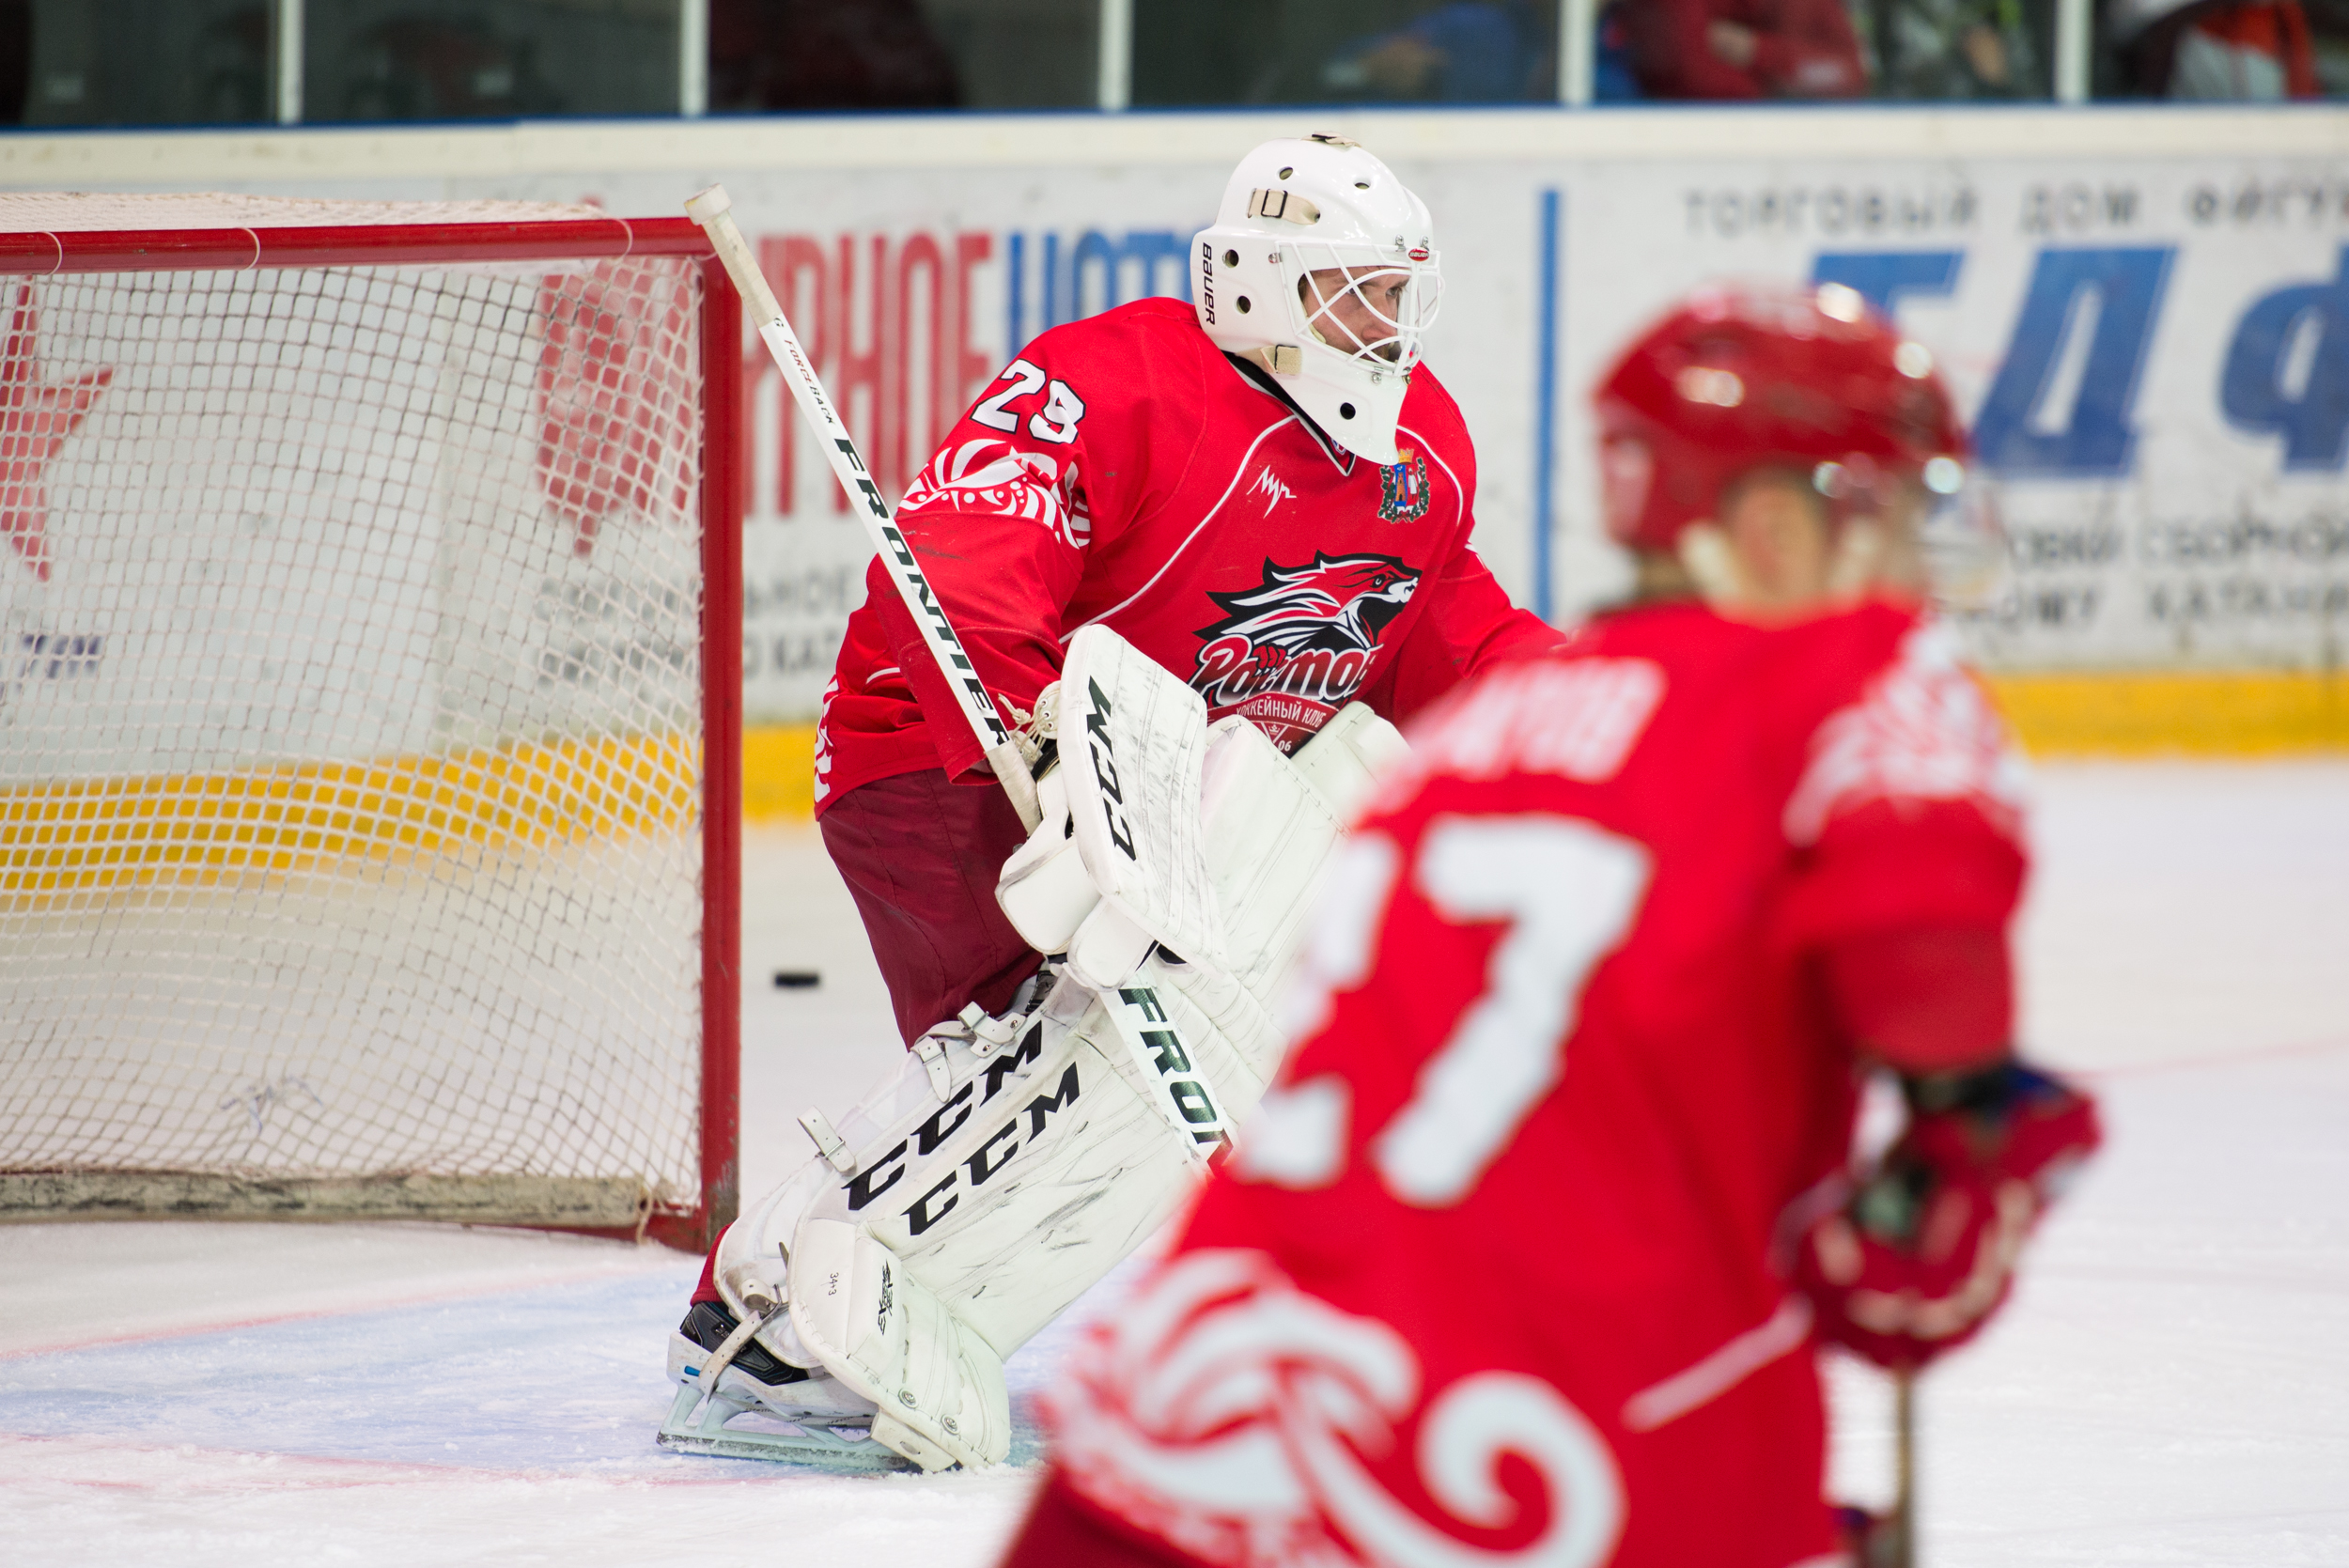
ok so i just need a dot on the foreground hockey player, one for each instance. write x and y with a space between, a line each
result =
1204 554
1524 1255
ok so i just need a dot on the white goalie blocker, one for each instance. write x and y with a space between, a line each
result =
1011 1162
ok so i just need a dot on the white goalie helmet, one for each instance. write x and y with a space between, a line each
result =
1342 344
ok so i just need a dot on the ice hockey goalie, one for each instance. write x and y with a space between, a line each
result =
1205 553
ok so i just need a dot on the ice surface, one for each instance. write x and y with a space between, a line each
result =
2171 1387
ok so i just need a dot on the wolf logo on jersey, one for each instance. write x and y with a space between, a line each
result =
1298 646
1339 603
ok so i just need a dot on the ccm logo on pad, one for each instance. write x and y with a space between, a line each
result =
1105 767
984 1161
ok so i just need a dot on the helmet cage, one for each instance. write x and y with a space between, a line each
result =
1961 532
1370 270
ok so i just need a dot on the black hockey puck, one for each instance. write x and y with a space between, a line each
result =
798 980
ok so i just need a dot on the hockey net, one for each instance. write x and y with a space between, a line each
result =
369 682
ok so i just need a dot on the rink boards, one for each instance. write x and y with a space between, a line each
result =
2143 311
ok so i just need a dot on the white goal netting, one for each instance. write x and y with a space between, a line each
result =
351 699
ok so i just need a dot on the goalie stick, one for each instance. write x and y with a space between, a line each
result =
1904 1553
1198 1121
712 208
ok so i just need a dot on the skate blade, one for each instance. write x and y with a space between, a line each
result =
824 1448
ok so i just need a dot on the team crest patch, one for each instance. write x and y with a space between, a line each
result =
1403 487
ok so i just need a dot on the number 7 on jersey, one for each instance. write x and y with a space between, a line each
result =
1569 890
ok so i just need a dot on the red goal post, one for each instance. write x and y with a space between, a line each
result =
371 714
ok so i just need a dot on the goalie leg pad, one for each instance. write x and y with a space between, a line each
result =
940 1387
774 1374
1040 1167
980 1190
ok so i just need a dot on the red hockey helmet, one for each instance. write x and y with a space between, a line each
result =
1742 377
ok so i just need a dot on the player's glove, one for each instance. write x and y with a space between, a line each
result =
1924 1251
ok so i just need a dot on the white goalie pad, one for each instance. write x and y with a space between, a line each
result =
1039 1166
1268 824
1044 889
1010 1164
1347 756
939 1388
996 1182
1132 741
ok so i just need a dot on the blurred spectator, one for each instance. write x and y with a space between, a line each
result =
2252 50
232 69
1466 51
1942 50
16 58
437 68
826 55
1743 49
2328 20
1613 80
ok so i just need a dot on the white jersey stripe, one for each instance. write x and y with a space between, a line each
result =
1175 554
1429 447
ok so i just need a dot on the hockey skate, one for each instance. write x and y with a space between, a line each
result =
790 1412
748 1386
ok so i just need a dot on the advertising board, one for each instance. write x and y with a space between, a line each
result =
2143 314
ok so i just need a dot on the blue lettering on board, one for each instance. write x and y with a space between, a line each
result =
2252 388
2113 295
1089 277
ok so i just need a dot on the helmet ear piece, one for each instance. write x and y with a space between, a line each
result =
1626 470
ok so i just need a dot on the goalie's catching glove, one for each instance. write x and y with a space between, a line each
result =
1923 1254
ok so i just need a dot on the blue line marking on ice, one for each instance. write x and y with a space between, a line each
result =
565 1379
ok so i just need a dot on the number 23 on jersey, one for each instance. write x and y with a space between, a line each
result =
1055 422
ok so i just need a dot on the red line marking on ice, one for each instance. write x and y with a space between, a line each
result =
2197 1063
385 1303
255 1465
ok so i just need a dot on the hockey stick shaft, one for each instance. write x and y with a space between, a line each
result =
1163 1072
1904 1470
713 211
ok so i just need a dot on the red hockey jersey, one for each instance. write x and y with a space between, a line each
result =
1122 470
1494 1270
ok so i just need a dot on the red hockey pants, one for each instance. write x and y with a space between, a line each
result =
919 856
